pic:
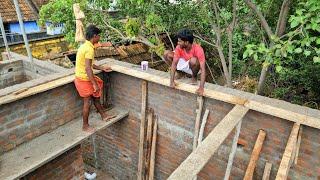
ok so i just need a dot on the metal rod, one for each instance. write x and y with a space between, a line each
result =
4 37
16 5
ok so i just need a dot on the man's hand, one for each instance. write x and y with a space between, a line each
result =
200 91
95 88
172 84
106 69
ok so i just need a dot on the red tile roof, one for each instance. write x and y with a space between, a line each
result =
8 11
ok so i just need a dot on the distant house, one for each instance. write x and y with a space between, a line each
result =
30 14
10 18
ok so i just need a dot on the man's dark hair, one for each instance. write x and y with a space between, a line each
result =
91 31
186 35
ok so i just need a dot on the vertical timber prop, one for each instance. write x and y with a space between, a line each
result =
144 100
233 151
267 171
149 141
255 155
197 123
298 146
153 149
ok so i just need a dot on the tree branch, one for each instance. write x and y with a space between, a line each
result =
205 41
230 35
261 17
281 25
219 46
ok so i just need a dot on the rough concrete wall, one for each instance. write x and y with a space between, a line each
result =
24 119
66 166
117 146
12 73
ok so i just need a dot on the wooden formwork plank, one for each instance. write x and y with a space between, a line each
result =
288 153
255 155
141 165
198 158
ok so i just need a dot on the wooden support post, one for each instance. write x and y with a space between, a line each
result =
193 164
288 152
255 155
203 124
141 167
149 140
197 123
267 171
298 146
233 151
153 149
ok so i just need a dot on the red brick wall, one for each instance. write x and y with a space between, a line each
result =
67 166
25 119
117 146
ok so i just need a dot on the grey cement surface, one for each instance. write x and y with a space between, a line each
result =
37 152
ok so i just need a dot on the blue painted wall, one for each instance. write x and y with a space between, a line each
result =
29 26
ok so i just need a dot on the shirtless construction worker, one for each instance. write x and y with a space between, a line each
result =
188 57
88 85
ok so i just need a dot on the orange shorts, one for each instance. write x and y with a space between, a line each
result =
85 87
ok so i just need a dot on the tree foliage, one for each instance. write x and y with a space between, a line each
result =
236 41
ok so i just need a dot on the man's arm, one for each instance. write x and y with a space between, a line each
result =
203 75
102 68
90 75
173 70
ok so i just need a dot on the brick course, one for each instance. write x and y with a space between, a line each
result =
67 166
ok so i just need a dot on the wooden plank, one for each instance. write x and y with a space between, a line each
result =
260 106
288 152
33 154
298 145
193 164
153 150
197 123
267 171
255 155
233 151
141 165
